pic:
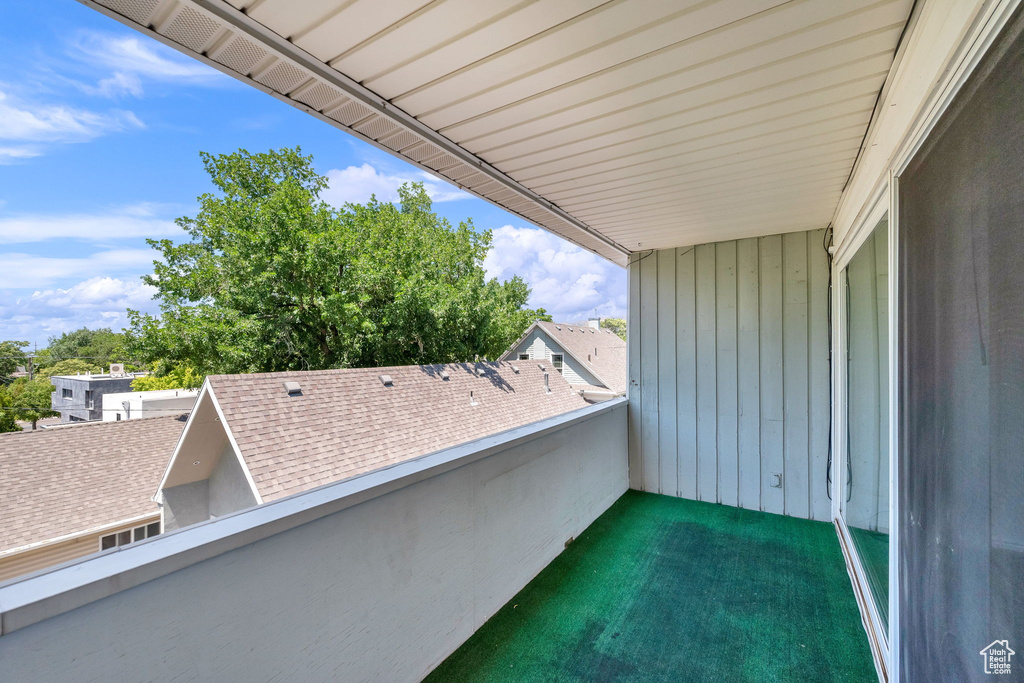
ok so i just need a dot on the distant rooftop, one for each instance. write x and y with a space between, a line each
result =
58 482
339 423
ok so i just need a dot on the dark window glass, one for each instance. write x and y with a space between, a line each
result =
153 530
124 538
107 542
139 533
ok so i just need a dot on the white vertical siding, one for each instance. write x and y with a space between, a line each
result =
728 367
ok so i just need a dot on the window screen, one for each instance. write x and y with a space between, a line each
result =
961 383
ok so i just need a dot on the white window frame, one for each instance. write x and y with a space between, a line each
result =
561 361
132 531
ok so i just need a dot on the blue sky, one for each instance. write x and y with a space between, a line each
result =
100 133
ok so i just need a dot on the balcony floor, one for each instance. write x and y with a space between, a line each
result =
660 588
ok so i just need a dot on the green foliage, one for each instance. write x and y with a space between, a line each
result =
72 366
273 278
181 377
616 325
11 356
8 417
31 399
100 347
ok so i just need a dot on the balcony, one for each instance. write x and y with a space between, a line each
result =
659 586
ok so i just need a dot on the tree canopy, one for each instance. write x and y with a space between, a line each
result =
181 377
100 347
273 278
616 325
12 355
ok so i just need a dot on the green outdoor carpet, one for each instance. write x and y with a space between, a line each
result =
665 589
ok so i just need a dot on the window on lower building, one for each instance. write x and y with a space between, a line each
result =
524 356
66 394
88 398
556 361
127 536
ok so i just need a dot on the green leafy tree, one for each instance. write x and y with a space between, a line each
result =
616 325
8 416
181 377
101 347
31 399
273 278
12 355
72 366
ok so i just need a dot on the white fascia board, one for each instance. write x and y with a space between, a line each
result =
40 596
236 449
131 521
181 439
517 342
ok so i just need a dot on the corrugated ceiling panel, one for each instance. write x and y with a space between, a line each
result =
651 122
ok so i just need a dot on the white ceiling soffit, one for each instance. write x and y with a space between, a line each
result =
622 126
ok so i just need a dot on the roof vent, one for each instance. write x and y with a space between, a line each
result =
540 366
571 330
473 401
444 375
386 380
547 385
480 372
293 388
515 369
558 327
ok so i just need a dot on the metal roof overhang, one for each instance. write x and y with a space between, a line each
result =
622 126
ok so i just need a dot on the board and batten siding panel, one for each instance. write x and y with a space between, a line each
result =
728 373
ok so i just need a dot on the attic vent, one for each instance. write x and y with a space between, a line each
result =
547 385
541 367
473 401
293 388
386 380
514 369
570 329
444 375
480 372
558 327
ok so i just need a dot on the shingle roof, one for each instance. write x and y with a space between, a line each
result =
60 481
347 422
608 363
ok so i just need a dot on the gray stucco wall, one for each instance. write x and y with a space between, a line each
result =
381 591
229 489
186 504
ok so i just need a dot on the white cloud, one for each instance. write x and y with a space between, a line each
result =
59 123
100 301
11 155
133 221
20 271
568 281
130 56
356 184
97 292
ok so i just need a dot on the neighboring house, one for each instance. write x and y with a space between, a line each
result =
79 398
133 405
68 492
592 360
256 438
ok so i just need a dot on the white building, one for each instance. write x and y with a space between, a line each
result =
131 405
